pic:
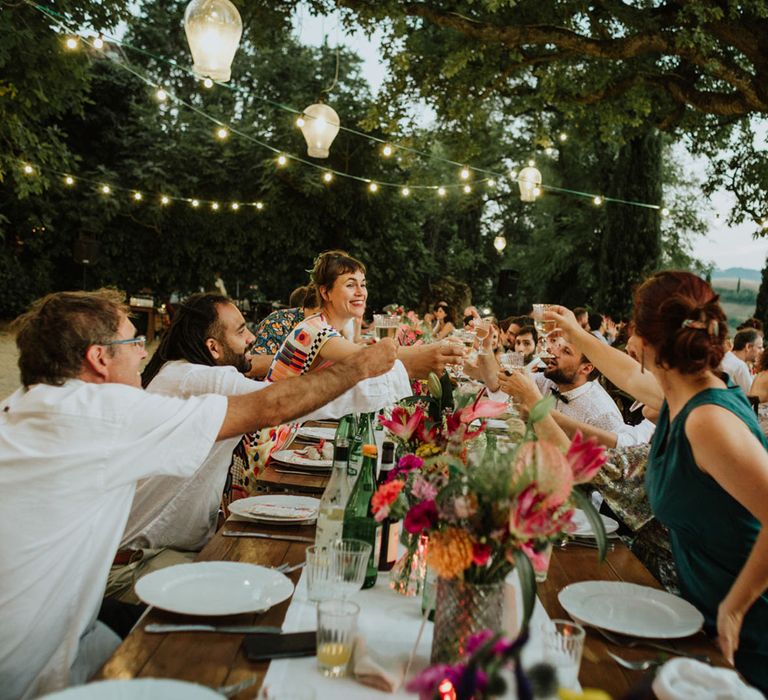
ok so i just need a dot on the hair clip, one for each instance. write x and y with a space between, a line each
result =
712 328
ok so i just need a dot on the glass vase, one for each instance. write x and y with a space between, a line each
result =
462 610
407 575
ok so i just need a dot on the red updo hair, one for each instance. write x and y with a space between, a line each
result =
680 315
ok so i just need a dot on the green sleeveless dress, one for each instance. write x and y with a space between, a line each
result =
711 533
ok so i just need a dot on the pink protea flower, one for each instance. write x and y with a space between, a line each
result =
532 518
585 458
547 465
402 424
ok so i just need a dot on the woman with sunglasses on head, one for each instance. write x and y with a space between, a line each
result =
707 472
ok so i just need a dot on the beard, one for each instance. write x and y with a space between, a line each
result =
558 376
239 360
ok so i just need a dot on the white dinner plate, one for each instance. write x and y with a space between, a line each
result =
626 608
291 458
316 433
214 588
277 509
137 689
584 529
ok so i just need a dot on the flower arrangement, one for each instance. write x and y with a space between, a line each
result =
485 514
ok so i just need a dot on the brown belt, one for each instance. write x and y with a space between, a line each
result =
127 556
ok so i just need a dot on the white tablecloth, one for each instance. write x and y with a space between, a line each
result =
390 624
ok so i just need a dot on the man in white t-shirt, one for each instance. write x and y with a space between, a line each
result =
747 348
73 443
204 352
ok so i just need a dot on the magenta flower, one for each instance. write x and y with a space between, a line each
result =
531 518
481 408
426 683
402 424
585 458
481 553
420 517
423 490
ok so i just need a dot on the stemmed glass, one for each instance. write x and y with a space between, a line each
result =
511 361
467 339
543 325
482 329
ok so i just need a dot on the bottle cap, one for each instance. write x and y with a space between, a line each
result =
370 451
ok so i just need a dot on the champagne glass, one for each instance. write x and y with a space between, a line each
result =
467 339
482 329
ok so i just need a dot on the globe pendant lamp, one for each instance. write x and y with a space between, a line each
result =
321 124
499 243
213 29
529 180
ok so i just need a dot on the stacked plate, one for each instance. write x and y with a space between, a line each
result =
277 509
315 433
584 529
297 462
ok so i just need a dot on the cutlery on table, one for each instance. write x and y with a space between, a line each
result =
589 544
154 628
267 536
642 665
229 691
629 642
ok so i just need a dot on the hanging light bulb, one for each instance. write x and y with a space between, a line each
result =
72 43
529 180
161 95
499 242
405 191
137 196
597 201
222 132
215 206
195 203
464 174
321 124
235 206
259 205
213 29
69 180
165 199
373 187
467 189
106 189
386 151
281 160
441 192
327 176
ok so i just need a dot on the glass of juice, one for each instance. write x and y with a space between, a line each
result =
336 632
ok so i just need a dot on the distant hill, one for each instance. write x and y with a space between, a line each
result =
744 273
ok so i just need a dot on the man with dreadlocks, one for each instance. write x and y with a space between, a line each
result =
204 352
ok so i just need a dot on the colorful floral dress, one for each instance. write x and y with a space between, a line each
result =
301 347
273 330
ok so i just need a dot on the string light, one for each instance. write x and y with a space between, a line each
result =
467 189
327 176
98 43
531 163
373 187
598 200
28 169
281 160
664 211
208 83
165 200
300 122
222 133
513 174
537 191
259 205
106 189
386 150
195 203
405 191
161 95
464 174
138 196
491 183
215 206
72 43
441 191
563 137
69 180
549 151
235 206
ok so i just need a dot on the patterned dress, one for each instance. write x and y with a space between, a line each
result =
274 329
301 347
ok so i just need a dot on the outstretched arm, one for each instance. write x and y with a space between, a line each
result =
291 398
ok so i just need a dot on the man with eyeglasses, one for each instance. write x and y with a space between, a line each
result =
73 443
205 351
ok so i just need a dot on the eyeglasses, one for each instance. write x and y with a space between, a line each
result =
139 340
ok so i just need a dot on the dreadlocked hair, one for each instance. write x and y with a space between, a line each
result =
195 320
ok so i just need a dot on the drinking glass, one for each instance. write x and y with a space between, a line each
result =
467 339
482 329
563 645
385 326
541 563
320 573
350 561
543 326
336 631
512 360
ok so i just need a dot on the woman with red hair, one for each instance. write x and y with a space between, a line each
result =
707 473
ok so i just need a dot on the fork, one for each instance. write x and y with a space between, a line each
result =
621 641
643 665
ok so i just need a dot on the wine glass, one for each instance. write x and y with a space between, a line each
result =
544 326
467 339
482 329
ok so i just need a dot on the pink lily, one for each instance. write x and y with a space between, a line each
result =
531 518
585 458
545 463
481 408
403 425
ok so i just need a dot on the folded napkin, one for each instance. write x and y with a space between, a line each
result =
376 670
683 679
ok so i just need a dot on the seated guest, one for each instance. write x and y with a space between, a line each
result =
759 386
582 316
204 352
596 324
747 349
74 441
707 472
443 321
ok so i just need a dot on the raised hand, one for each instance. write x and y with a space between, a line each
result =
376 359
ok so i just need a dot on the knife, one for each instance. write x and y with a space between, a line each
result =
267 536
154 628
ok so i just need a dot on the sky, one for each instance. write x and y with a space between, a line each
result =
725 245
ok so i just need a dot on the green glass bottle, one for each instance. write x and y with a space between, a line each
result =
363 436
359 523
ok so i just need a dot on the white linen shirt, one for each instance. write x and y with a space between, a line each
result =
70 458
738 371
180 512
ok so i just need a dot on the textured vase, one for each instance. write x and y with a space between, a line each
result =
463 609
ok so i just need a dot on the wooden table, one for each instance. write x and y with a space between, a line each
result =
217 659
